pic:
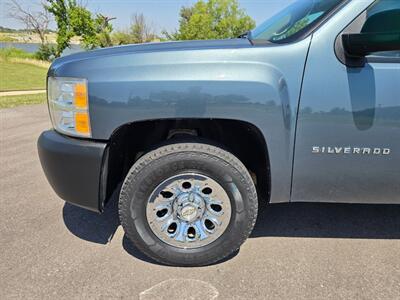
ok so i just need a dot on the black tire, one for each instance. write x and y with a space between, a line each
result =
169 160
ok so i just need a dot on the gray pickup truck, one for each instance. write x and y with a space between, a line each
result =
192 136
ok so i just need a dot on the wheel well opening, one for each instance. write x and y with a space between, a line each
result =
242 139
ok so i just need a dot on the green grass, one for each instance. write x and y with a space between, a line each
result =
21 76
13 101
11 52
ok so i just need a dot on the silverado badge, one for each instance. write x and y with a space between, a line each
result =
350 150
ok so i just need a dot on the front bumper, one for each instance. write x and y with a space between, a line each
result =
73 168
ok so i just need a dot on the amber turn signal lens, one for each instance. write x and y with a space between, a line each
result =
82 123
81 100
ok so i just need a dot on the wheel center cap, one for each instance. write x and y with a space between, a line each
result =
188 212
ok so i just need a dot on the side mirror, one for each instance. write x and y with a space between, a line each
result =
359 45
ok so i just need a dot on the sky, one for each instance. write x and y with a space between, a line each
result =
161 14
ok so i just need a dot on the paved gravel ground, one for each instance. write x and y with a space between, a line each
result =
299 251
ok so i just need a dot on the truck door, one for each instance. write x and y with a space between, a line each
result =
347 145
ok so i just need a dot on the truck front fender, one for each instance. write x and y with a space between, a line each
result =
259 85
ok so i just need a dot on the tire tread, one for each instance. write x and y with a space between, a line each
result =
209 151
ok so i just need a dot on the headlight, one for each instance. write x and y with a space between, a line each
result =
69 105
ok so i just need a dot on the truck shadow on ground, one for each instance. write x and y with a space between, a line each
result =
312 220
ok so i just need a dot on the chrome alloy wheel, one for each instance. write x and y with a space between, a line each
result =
188 210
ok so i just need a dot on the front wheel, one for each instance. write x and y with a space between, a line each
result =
188 204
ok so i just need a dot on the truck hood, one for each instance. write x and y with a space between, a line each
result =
157 47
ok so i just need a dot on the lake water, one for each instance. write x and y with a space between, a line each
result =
31 47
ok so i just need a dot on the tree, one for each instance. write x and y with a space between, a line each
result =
35 21
138 32
141 31
104 30
75 20
61 12
212 19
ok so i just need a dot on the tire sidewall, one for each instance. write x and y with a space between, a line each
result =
142 181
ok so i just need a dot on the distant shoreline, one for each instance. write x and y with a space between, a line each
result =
31 38
34 47
34 42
